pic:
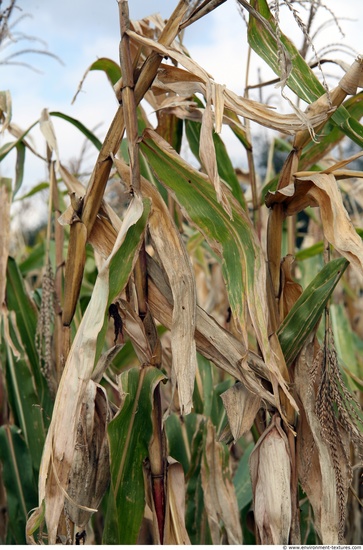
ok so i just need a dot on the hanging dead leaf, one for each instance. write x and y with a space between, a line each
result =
321 189
175 531
219 494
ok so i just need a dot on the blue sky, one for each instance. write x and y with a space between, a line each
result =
79 31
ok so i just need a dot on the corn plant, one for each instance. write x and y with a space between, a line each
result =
179 354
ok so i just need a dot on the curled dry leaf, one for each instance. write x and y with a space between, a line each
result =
289 124
175 260
270 467
321 189
219 494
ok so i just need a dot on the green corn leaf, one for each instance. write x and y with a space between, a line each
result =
19 166
301 79
109 67
344 339
129 435
26 319
313 250
203 388
24 402
242 479
81 127
307 310
18 479
36 189
196 519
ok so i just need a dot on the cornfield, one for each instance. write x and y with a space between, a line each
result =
181 347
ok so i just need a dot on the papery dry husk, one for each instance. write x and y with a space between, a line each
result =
90 472
270 467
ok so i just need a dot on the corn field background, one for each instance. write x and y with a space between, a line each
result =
181 343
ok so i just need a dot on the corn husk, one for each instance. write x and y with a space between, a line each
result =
270 468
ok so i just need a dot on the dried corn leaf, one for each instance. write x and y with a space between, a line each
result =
241 407
175 531
219 494
47 129
207 153
214 342
5 109
5 204
271 477
59 449
247 108
321 189
176 262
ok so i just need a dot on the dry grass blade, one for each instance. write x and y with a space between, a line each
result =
176 262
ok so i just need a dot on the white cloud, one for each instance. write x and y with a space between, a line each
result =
80 31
